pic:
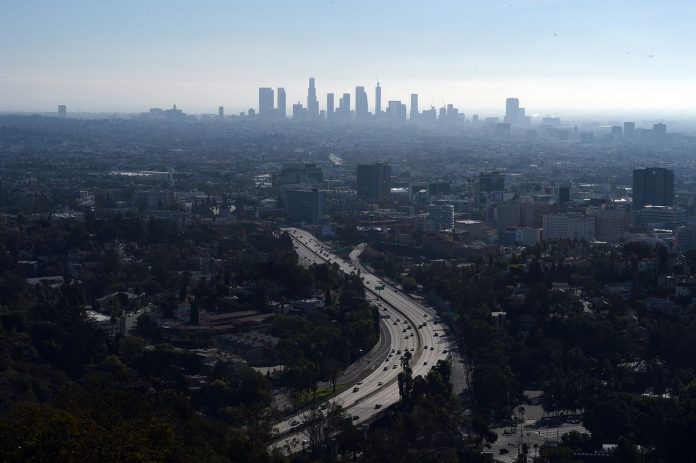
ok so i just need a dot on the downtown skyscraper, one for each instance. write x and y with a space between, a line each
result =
312 102
266 108
282 104
361 111
378 100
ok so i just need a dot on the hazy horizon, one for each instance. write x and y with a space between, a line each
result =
558 57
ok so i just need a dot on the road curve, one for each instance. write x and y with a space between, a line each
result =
404 319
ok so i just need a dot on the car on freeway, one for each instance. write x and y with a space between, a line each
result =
294 423
356 417
385 368
380 383
359 383
356 389
444 351
393 367
432 348
378 406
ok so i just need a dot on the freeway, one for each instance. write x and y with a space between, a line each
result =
411 327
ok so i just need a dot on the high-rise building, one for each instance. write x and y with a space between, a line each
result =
298 112
396 111
659 131
282 106
512 108
609 224
663 216
266 109
374 182
221 112
488 182
653 187
414 106
513 113
344 106
291 174
62 110
569 226
438 188
491 181
564 194
686 238
304 205
508 214
616 132
312 102
441 216
629 130
329 105
361 111
378 100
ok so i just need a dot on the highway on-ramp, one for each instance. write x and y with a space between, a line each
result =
411 327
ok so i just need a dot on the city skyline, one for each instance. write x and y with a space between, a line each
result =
556 56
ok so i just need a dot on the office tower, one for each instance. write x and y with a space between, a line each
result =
488 182
659 131
251 112
62 110
569 226
513 113
512 109
442 113
438 188
508 214
414 106
663 217
304 205
616 132
329 105
374 182
653 187
441 216
491 181
609 224
344 106
265 102
282 106
429 114
396 111
298 112
378 100
312 102
452 112
361 103
221 112
629 130
307 173
564 194
686 239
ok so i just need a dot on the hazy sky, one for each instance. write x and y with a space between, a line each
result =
556 56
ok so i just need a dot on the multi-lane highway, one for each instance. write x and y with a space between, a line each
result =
411 327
